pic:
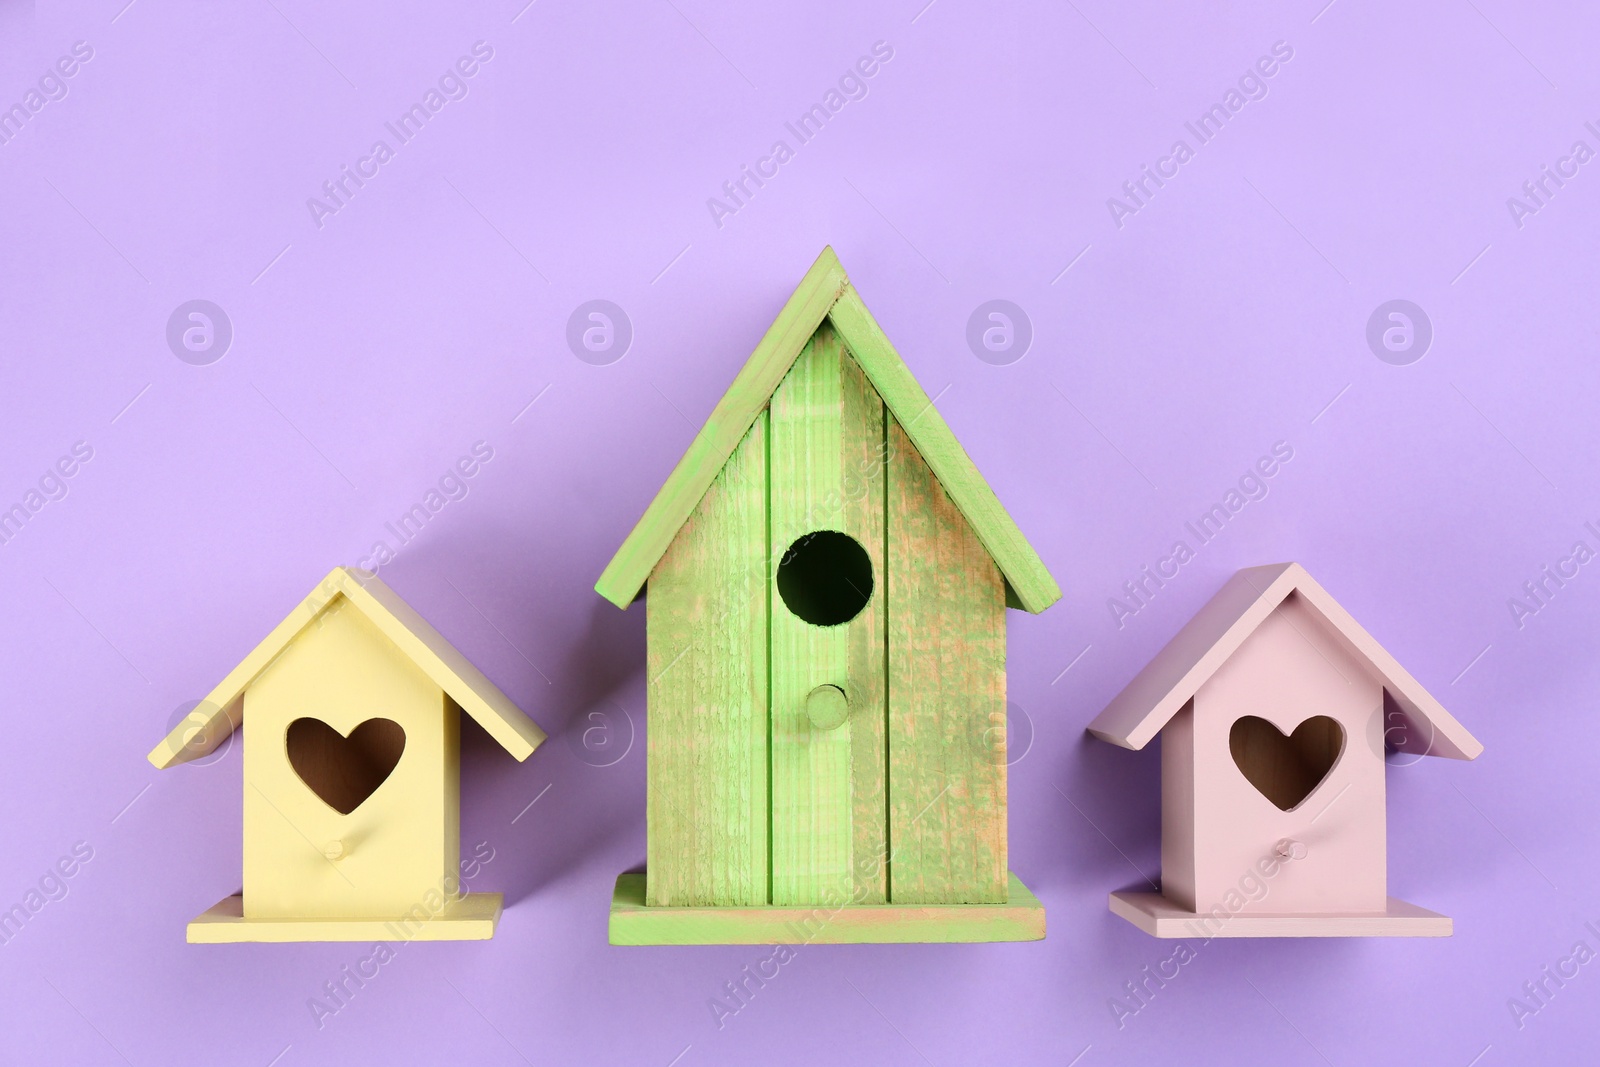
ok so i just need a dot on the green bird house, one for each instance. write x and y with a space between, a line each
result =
825 578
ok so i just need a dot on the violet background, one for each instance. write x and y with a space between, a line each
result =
1228 314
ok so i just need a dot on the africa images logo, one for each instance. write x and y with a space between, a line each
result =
852 85
1251 86
452 85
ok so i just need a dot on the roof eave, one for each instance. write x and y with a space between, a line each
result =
1214 634
222 710
826 292
755 383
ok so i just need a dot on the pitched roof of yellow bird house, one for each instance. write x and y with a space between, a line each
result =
221 712
826 293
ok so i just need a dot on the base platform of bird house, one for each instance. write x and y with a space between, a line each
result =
1160 917
633 922
469 918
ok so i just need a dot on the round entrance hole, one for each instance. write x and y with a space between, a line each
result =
825 578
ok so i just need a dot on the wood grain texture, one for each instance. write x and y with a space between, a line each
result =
625 575
828 804
947 694
826 292
893 793
1031 582
707 670
1017 917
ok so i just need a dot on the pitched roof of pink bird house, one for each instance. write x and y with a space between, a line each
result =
1217 631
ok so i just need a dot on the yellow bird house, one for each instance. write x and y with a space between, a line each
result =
351 773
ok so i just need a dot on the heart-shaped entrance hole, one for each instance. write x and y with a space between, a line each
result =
344 771
1286 769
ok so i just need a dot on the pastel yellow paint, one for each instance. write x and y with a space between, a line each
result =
351 772
469 918
401 842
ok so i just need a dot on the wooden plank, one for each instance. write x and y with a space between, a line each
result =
947 694
1160 917
1018 917
826 291
1179 870
863 481
828 805
468 918
1035 589
707 664
625 575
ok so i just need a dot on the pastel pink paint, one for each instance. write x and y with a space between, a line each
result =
1274 645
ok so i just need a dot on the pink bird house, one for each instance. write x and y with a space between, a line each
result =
1277 713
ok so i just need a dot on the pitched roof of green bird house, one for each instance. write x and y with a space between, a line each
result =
826 292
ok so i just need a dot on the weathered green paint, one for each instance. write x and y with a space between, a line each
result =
707 661
774 796
828 814
745 399
825 292
947 695
1019 917
1034 587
